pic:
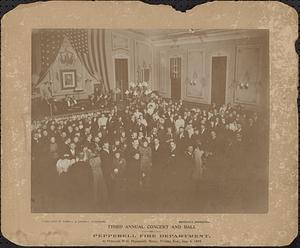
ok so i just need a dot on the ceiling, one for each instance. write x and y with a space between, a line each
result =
158 35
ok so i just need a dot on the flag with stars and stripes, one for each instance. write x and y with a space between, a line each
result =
51 41
89 45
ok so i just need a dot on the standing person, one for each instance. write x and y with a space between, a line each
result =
106 160
62 166
171 178
51 175
198 162
81 189
169 135
102 121
99 185
118 177
146 163
53 149
173 161
72 151
181 141
188 162
216 167
36 158
134 171
179 123
157 163
46 95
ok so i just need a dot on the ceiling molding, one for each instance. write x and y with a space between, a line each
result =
209 37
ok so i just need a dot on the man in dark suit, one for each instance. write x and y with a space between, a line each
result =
203 132
158 154
181 140
173 155
72 151
172 171
188 162
110 122
158 162
204 135
106 160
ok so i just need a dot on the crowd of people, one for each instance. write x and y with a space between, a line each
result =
144 147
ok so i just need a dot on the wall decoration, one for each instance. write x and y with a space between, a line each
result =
120 42
144 72
68 79
196 79
143 61
55 74
247 75
66 57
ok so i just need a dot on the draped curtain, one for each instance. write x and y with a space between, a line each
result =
50 44
89 45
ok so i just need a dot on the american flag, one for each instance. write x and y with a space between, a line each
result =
51 40
89 45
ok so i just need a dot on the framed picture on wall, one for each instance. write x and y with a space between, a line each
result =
68 79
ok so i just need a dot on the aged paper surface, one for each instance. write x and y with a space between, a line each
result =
277 226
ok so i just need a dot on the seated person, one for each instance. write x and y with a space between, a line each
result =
74 101
68 102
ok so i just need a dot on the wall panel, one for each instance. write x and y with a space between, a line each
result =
163 72
247 74
196 82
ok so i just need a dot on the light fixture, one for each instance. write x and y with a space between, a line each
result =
243 86
192 31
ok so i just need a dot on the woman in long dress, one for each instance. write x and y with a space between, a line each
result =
118 177
146 163
51 174
198 165
134 171
63 185
99 185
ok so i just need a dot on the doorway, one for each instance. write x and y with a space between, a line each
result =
175 75
218 74
121 75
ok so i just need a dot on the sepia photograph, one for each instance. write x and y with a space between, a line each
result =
174 129
150 120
